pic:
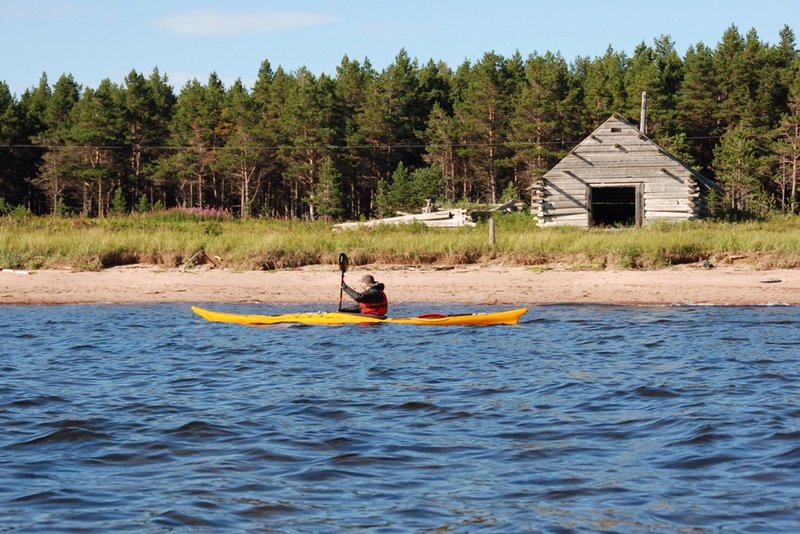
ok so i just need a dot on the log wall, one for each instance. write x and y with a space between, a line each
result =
617 154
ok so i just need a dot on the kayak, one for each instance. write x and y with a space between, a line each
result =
340 318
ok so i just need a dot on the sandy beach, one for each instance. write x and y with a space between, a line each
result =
683 285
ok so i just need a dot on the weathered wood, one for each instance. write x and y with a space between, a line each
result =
574 196
432 216
643 114
561 212
578 224
567 218
666 202
616 154
603 164
441 219
661 189
666 195
448 223
565 203
670 220
199 258
562 202
664 214
560 188
630 168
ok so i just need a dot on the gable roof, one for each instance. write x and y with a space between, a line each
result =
619 118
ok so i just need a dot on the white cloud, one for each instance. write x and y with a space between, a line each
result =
224 24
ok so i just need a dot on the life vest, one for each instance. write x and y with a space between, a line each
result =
375 308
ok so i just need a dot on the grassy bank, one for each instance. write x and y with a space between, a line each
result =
171 238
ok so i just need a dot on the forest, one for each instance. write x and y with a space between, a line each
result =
361 142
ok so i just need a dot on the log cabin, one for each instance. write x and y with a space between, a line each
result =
616 177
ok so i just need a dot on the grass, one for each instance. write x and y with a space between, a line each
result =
171 238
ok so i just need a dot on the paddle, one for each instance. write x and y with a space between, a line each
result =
343 268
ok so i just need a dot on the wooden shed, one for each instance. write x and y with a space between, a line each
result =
619 177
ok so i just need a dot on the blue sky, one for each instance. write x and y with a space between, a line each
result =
96 39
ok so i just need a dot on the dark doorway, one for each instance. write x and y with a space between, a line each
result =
615 206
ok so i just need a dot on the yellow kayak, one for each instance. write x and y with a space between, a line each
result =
339 318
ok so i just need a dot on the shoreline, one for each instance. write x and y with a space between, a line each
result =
685 285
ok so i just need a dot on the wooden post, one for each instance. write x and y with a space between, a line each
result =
491 232
643 117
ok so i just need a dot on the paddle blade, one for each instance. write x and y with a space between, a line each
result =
343 262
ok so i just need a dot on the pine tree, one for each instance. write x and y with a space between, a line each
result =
441 139
487 125
642 75
787 149
786 58
119 206
97 131
9 118
197 131
604 86
407 109
351 83
270 93
308 123
184 170
427 186
482 111
391 120
13 183
731 82
657 71
537 123
163 101
696 104
326 194
374 132
148 105
409 190
215 128
736 166
54 176
241 158
434 87
31 109
671 71
33 106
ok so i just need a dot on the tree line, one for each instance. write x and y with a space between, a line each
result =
365 142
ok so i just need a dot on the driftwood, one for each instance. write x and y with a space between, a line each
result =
452 218
437 219
507 207
199 258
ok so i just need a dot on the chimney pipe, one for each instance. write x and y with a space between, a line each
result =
643 118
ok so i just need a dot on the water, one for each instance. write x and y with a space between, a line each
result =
582 418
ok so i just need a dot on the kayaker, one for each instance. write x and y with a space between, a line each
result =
371 300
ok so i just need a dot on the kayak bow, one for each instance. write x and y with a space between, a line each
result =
510 317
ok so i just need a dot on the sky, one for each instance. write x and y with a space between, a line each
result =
97 39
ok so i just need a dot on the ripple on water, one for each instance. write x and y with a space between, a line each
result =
200 430
582 418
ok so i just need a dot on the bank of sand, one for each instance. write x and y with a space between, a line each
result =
496 285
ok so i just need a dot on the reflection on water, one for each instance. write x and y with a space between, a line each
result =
594 418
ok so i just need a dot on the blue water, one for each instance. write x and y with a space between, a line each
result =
582 418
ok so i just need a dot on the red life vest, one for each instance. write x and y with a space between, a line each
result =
375 308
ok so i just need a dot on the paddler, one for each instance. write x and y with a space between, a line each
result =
371 300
